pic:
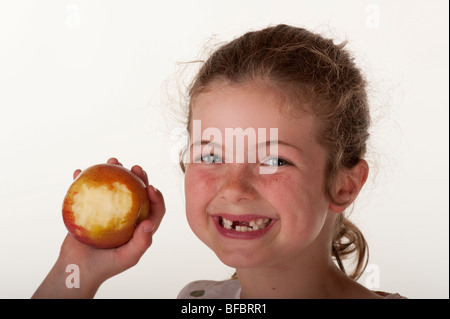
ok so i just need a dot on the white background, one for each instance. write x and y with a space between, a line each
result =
81 81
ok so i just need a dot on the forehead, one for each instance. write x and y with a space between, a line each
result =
250 105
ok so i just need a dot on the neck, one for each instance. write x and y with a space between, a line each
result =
308 280
283 282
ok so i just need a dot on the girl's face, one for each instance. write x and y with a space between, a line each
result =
267 212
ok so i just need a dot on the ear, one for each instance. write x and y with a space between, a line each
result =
348 185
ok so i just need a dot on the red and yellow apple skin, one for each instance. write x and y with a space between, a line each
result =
104 204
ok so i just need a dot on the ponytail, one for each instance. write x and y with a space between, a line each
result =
349 241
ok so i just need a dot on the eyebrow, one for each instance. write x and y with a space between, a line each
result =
278 142
205 142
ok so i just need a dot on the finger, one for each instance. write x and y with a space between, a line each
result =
157 206
137 170
76 173
114 161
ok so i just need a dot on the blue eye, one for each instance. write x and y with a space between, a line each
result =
211 158
276 162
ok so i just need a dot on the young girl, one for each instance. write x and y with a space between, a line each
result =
278 219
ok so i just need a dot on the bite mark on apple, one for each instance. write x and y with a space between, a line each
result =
100 207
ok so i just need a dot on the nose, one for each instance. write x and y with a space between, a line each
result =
238 183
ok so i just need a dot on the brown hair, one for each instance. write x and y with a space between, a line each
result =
304 66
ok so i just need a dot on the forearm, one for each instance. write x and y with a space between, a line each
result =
65 282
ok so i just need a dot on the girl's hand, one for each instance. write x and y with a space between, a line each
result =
97 265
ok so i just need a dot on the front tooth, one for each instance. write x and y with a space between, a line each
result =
260 222
242 228
252 223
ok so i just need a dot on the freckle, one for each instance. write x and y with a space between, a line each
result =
209 182
276 179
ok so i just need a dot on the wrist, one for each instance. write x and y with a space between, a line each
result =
68 280
77 278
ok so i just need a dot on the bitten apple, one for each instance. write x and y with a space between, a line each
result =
104 204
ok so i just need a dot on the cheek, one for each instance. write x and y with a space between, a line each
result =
277 188
300 203
198 184
199 192
288 190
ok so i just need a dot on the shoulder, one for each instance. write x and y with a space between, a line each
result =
388 295
210 289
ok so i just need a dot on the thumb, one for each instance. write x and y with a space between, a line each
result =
130 253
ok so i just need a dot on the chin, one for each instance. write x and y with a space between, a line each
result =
241 258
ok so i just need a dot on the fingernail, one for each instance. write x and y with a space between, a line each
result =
149 229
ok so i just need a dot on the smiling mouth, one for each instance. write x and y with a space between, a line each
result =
244 226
